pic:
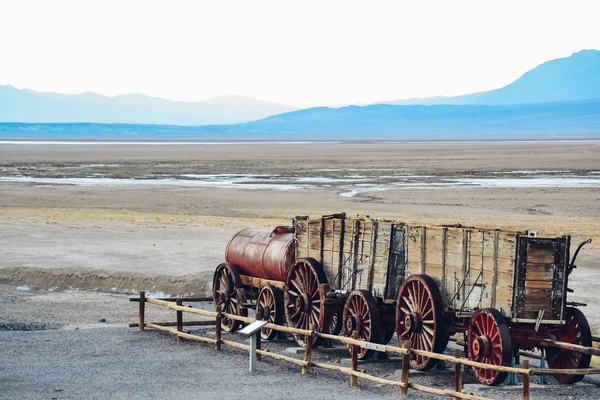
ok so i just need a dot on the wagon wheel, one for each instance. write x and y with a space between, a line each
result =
361 314
490 343
304 296
228 292
420 319
576 331
269 304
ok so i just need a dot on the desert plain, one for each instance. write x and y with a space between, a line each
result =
81 225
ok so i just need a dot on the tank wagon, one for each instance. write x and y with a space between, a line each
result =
505 290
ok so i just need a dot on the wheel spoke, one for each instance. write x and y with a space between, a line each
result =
429 341
428 329
298 286
409 304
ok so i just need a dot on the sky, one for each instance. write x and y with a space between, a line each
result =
301 53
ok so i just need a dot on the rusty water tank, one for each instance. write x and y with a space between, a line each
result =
266 254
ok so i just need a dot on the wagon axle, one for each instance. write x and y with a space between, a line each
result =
481 347
413 322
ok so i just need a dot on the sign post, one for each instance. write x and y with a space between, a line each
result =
253 330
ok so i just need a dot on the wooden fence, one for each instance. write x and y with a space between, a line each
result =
306 363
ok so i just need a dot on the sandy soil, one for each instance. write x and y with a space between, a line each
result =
169 239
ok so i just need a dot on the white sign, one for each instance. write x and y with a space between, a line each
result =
373 346
253 327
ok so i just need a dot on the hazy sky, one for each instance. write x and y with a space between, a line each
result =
301 53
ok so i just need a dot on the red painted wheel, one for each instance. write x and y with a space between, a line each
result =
361 314
490 343
576 331
269 304
304 294
420 319
228 292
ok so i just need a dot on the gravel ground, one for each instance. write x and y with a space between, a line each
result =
55 347
120 363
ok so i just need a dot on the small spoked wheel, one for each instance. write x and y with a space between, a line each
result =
228 292
420 319
576 330
361 315
489 343
305 302
269 304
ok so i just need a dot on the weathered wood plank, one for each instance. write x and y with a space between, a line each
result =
540 254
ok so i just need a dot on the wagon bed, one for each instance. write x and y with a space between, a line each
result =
521 275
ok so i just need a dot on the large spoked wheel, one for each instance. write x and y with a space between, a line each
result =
228 292
304 296
361 314
576 331
490 343
420 319
269 304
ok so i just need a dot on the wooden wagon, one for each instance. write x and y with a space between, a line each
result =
505 290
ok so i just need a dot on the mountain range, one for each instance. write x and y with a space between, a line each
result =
564 79
31 106
574 119
560 98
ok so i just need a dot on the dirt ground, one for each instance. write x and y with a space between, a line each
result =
122 239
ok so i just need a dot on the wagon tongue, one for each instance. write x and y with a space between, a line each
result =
572 264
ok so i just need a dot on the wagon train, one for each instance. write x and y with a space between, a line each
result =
506 291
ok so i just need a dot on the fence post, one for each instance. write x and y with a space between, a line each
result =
259 317
218 328
405 369
308 351
526 381
141 311
543 379
458 380
354 359
179 302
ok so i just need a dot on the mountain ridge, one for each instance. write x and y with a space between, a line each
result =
27 105
576 77
565 120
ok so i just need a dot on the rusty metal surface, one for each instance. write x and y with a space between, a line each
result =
260 253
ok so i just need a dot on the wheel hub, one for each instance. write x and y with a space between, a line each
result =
303 302
223 297
352 323
481 347
263 313
412 322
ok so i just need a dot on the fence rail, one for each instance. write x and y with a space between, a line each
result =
177 305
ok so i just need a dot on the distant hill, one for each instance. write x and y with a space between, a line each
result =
31 106
565 79
576 119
